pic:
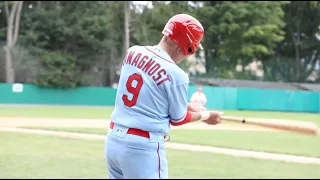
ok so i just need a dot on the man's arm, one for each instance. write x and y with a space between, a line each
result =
209 117
180 110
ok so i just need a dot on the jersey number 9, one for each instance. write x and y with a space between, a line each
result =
133 90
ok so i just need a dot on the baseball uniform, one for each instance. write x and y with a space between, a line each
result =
152 92
199 98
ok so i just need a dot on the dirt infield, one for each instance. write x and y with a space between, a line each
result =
10 124
179 146
99 123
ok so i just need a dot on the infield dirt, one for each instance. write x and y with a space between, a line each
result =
10 124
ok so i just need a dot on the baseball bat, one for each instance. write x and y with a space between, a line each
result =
305 128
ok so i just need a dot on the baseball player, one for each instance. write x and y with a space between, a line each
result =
151 96
199 98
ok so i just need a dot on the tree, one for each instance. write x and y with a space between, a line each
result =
59 70
297 55
237 32
90 32
148 24
13 15
127 15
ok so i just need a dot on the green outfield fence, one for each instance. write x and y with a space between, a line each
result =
260 99
92 96
218 97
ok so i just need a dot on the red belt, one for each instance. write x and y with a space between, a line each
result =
134 131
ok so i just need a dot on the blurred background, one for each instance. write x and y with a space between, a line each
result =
259 57
247 44
73 43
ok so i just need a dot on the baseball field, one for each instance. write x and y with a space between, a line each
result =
68 142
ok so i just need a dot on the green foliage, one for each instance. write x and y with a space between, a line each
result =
298 54
89 36
244 75
184 65
148 25
3 21
85 31
241 30
59 70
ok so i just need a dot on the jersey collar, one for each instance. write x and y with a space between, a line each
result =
162 53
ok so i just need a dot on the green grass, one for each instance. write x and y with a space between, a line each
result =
57 112
105 112
288 143
36 156
310 117
101 131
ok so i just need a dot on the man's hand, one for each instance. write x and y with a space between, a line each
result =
215 118
193 107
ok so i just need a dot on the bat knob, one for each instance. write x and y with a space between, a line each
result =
244 120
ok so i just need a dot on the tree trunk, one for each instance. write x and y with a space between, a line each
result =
296 42
9 66
8 48
126 26
17 22
13 23
209 63
38 4
115 64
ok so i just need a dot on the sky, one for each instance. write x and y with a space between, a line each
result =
143 3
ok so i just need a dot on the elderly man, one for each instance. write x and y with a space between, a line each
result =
199 98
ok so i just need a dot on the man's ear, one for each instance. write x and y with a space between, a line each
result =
179 50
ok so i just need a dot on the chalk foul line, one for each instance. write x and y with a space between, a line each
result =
180 146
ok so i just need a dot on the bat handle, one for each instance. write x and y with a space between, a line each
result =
235 119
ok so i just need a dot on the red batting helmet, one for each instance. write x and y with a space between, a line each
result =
185 31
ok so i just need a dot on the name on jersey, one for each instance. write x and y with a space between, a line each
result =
154 70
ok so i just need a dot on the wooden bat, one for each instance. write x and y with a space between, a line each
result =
294 126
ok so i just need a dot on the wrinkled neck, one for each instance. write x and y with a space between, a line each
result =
171 51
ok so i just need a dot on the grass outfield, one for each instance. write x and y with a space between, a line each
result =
287 143
105 112
36 156
56 111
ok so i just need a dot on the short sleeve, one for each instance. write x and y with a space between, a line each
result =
178 102
204 98
193 97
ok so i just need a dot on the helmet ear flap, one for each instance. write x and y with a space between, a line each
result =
185 31
190 48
